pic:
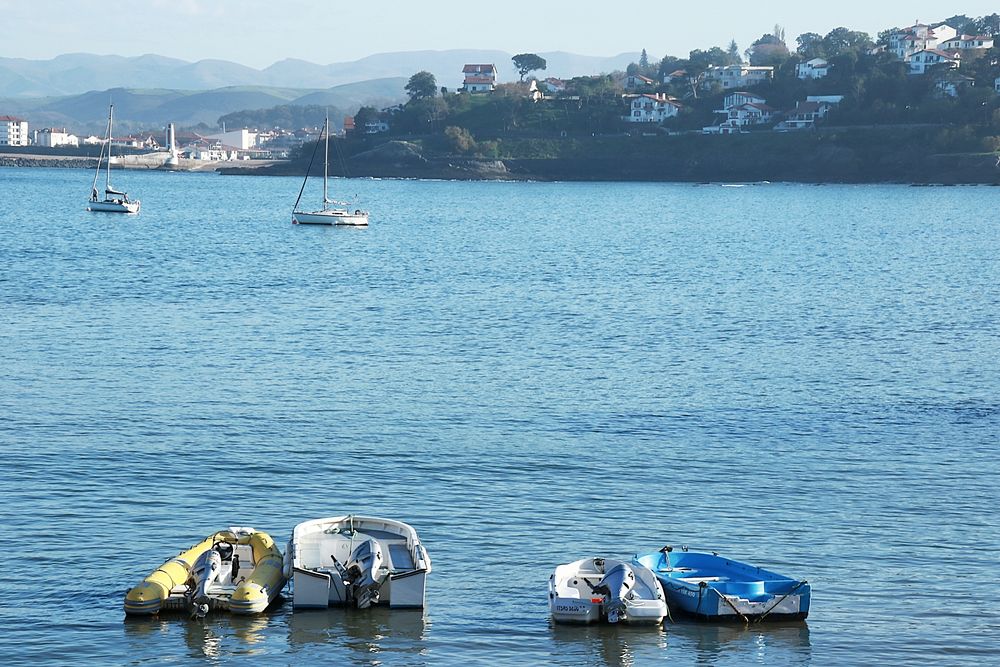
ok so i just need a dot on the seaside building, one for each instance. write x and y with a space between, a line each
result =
479 78
53 138
241 139
13 131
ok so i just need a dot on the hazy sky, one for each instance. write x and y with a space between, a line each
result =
258 33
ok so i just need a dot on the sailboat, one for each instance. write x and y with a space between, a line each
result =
333 212
115 201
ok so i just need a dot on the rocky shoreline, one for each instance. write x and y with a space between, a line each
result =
402 159
47 161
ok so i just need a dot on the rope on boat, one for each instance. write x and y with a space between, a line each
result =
704 585
781 599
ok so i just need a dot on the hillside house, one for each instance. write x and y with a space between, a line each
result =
676 75
817 68
951 83
554 85
650 108
740 111
13 131
921 61
479 78
919 37
639 82
966 42
737 76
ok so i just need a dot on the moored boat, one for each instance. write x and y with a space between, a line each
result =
604 589
358 561
239 570
336 213
710 587
115 201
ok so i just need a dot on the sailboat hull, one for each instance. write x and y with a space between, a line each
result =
331 217
113 206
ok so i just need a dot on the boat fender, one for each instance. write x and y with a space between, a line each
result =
357 211
236 568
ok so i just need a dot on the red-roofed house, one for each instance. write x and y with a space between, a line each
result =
479 78
921 61
638 82
963 42
741 110
13 131
908 41
651 108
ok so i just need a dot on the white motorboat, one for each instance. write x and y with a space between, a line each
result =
333 212
115 201
604 589
356 560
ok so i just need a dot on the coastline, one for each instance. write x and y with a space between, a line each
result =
945 169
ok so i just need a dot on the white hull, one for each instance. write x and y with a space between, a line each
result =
331 217
572 598
317 548
114 206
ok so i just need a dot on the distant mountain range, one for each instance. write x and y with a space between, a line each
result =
73 90
143 108
76 73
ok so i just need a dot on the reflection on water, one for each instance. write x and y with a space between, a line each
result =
625 646
217 636
615 645
758 643
364 632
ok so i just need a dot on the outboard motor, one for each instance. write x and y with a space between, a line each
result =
206 571
361 571
617 586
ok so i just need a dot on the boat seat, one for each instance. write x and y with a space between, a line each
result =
698 580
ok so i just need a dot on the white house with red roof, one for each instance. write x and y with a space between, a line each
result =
651 108
966 42
741 110
638 82
13 131
479 78
921 61
919 37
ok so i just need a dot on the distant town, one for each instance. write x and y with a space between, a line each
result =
944 74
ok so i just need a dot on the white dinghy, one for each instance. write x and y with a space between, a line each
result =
603 589
358 561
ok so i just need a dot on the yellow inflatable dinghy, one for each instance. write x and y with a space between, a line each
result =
239 570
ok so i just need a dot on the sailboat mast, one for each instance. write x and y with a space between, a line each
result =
111 113
326 159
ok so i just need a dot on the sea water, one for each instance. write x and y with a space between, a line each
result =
806 378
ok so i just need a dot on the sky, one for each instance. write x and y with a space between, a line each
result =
258 33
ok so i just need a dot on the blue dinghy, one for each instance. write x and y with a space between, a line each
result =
710 587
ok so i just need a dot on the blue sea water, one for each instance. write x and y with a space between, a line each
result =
806 378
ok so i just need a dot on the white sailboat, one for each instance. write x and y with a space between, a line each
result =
115 201
333 212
